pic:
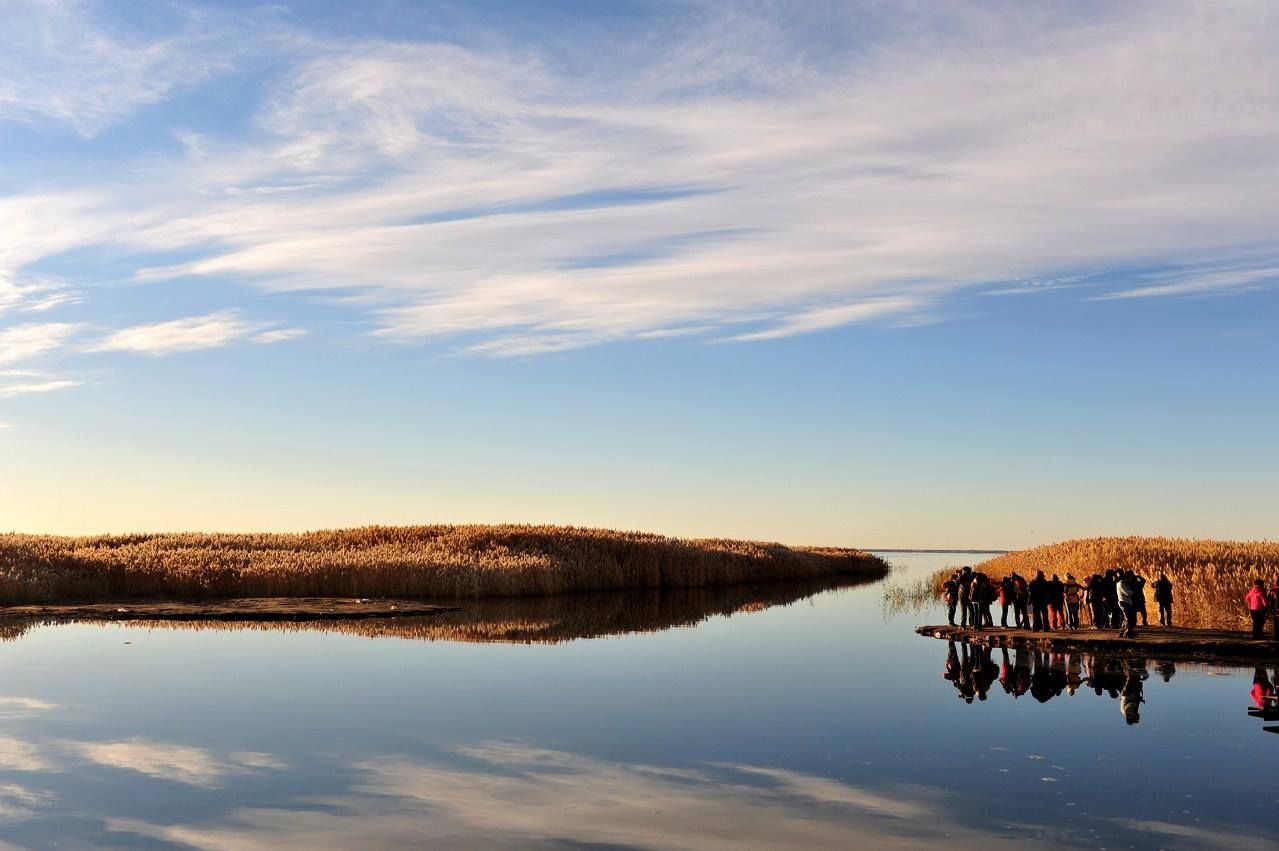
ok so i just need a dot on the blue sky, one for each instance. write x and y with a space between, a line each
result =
846 273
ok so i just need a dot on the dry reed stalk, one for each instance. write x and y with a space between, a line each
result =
414 562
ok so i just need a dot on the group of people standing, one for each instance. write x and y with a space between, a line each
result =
1113 600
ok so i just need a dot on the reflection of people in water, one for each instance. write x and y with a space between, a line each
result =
1131 695
1074 673
1049 678
1263 690
984 672
1046 674
1105 674
964 680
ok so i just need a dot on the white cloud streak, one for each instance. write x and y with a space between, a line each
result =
282 335
185 764
8 391
1201 282
489 198
23 342
180 335
513 796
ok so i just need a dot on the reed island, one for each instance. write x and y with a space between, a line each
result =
410 563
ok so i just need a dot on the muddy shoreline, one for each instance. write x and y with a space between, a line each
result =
1171 642
265 609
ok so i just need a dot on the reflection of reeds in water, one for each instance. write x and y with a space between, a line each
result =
1209 578
913 596
541 620
419 562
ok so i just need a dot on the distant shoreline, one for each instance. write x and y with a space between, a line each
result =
936 552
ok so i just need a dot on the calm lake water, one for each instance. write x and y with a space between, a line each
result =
806 718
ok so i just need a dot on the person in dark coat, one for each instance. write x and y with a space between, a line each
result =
1139 598
1021 601
1039 595
1056 602
965 600
982 595
950 593
1163 597
1110 593
1128 604
1093 597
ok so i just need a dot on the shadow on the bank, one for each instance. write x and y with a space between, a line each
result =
536 620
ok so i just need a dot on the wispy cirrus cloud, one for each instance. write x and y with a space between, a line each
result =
824 318
1198 282
9 391
488 197
190 334
26 341
185 764
69 61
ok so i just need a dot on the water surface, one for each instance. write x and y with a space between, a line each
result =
803 716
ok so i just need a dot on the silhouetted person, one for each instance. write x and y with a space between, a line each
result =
1096 604
1056 602
1007 595
950 593
1258 607
983 594
1110 594
1127 590
965 601
1038 590
1021 601
1072 593
1139 597
1163 597
1167 669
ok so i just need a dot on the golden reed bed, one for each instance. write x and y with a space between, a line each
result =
1209 578
416 562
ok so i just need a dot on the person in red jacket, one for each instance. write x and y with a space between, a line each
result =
1258 607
